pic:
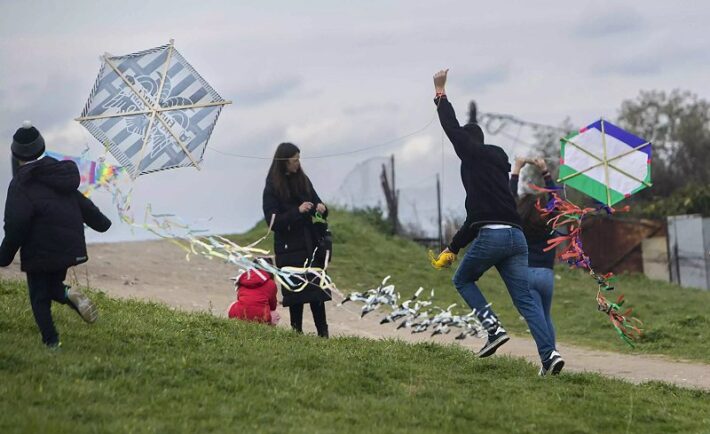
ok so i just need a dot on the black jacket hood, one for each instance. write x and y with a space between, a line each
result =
61 176
498 157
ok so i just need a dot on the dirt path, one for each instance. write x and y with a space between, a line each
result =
157 270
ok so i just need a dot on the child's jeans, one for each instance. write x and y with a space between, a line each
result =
542 284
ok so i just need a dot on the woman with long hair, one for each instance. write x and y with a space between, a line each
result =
541 276
291 202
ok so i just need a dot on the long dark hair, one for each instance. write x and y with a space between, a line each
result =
534 224
279 176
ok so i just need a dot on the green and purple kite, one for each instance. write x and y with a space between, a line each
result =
605 162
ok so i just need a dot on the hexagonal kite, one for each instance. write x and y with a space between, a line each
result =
152 110
605 162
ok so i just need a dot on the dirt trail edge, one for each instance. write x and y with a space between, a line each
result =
158 271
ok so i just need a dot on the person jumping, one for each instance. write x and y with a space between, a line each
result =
493 224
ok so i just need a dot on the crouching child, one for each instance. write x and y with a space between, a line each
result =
256 298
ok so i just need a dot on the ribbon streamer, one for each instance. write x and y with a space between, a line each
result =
417 314
562 213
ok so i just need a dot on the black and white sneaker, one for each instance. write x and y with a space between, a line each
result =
553 365
495 340
84 306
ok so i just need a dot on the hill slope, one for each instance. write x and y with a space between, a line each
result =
676 320
146 368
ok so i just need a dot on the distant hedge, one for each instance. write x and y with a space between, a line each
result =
693 199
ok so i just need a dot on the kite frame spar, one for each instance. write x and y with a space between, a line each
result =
154 108
604 161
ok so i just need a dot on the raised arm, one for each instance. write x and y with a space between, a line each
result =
549 183
462 140
515 175
540 163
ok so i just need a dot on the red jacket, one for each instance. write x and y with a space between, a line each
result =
256 297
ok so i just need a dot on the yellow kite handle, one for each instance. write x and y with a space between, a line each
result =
444 260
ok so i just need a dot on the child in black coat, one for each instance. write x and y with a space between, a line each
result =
44 219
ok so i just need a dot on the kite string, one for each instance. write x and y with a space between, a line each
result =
337 154
344 153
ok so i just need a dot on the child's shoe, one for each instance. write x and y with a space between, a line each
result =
86 308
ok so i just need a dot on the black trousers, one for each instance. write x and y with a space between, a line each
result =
45 288
318 310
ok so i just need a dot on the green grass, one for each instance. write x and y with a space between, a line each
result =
147 369
676 320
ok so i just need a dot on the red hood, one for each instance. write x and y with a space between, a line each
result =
253 279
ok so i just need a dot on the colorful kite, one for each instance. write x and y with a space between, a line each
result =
605 162
93 173
152 110
608 164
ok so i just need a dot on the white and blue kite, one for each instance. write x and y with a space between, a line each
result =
152 110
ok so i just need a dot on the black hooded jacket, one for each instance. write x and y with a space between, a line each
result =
484 173
45 216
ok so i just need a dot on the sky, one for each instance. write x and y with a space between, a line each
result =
335 77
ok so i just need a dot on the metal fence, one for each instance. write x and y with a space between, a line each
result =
689 250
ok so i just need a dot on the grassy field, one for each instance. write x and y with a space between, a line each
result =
676 320
144 368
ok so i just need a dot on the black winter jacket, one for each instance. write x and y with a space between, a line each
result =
484 173
45 216
294 237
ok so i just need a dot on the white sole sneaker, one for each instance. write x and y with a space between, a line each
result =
555 367
492 346
87 308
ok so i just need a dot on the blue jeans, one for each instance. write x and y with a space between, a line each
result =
542 284
507 250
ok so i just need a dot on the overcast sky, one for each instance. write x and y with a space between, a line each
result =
333 76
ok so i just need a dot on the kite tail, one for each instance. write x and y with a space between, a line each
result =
563 214
626 326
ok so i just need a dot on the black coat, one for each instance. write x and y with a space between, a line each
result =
45 216
294 238
484 173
